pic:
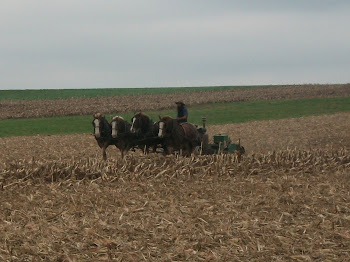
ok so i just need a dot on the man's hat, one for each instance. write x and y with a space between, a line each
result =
180 103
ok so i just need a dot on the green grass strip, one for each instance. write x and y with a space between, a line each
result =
217 113
103 92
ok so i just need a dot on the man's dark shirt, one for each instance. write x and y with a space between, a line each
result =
182 111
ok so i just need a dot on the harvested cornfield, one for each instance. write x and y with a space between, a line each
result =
84 106
60 202
291 205
326 132
314 132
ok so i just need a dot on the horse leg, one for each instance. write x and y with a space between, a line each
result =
188 149
191 147
119 145
104 154
123 149
165 148
126 148
168 150
154 148
146 150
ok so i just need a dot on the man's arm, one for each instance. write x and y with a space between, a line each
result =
184 117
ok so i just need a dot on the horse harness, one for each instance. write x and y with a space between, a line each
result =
184 129
176 132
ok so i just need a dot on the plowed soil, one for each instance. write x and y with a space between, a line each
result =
117 104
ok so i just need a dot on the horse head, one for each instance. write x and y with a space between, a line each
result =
117 125
155 129
100 124
165 125
140 123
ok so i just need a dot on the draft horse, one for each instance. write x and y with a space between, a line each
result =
178 136
121 134
141 124
146 131
102 133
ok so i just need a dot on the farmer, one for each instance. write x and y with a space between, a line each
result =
182 113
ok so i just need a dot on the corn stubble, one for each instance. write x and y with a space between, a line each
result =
84 106
288 204
61 202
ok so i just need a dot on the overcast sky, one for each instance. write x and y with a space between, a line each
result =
112 44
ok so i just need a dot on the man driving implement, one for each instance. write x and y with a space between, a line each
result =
182 113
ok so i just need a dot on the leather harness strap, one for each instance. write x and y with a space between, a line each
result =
184 129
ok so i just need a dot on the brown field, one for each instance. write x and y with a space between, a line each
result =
315 132
84 106
60 202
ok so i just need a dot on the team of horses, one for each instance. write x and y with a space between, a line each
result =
144 134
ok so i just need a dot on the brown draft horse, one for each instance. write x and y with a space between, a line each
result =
121 134
177 136
102 133
145 129
141 124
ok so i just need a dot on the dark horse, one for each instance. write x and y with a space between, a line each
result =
177 136
102 133
141 124
146 131
121 134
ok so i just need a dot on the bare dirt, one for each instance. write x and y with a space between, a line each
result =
60 202
117 104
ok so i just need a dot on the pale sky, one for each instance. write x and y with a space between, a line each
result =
117 44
